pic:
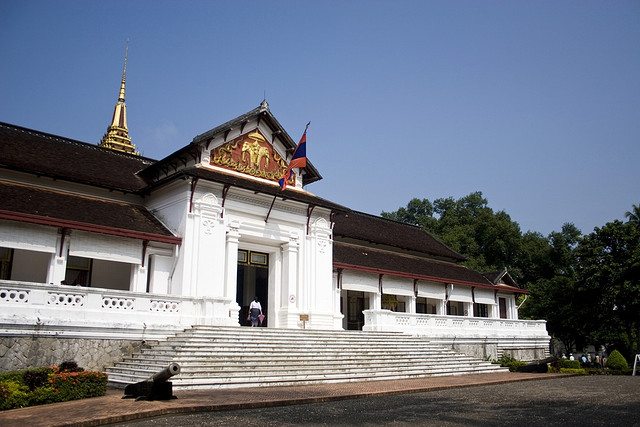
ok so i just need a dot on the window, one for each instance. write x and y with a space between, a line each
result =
390 302
502 303
426 306
6 256
455 308
480 310
257 259
78 271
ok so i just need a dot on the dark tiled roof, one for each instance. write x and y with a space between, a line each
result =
254 185
374 229
375 260
192 151
33 204
502 278
494 276
40 153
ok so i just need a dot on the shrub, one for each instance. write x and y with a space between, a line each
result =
570 364
79 385
69 366
15 376
26 387
575 371
13 395
36 377
507 361
617 362
43 395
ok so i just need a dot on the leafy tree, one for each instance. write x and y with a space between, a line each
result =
490 240
418 212
563 244
634 214
608 277
534 258
554 300
586 287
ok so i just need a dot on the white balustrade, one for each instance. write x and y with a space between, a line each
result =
30 303
438 326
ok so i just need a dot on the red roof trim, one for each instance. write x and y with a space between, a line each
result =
511 288
420 277
75 225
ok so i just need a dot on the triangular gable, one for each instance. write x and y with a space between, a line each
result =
217 143
251 154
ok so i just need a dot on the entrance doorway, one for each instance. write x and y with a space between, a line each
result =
357 302
253 281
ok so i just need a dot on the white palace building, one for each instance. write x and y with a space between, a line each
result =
101 245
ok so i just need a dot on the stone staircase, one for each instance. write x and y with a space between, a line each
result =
218 357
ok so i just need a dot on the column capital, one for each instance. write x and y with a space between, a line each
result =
233 231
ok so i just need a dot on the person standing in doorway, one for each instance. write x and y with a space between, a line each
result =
255 310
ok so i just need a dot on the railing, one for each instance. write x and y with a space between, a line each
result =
37 303
452 326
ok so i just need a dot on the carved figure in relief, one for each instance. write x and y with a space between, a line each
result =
256 153
245 153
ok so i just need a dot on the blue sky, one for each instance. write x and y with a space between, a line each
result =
534 103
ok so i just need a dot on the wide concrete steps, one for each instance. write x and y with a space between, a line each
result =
217 357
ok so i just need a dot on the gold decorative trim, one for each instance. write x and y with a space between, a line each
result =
251 154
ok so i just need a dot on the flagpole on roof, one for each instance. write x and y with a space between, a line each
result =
298 159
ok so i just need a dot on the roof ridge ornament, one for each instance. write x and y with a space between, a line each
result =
264 105
117 136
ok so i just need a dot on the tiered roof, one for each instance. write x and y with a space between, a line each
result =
361 241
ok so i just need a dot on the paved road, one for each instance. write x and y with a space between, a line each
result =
580 401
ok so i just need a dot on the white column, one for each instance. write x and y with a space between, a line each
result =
231 261
289 295
375 301
468 307
58 264
492 310
208 247
441 307
139 277
411 302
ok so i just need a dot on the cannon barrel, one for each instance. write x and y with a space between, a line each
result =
166 373
156 387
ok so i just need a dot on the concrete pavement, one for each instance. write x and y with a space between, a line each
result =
112 408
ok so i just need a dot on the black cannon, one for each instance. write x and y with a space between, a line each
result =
156 387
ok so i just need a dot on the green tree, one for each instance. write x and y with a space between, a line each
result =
554 300
490 240
634 214
608 278
418 212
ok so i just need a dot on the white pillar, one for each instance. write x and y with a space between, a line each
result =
208 243
468 307
375 301
411 300
231 261
441 307
139 277
290 298
58 264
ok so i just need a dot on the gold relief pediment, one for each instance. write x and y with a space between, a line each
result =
252 154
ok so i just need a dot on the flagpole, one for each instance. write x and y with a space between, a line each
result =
283 183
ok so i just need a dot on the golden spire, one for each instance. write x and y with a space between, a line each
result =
117 137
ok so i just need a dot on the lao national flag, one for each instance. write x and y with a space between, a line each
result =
283 181
298 160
